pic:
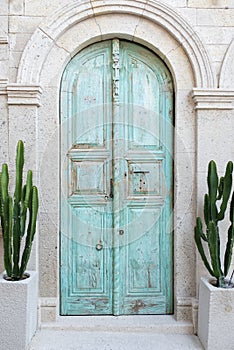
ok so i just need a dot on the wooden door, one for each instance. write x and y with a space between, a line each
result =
116 182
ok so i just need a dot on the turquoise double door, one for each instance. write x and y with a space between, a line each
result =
116 234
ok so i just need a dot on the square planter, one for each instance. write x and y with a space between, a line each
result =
18 312
215 316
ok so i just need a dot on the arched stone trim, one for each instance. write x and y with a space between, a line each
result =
227 70
53 27
42 64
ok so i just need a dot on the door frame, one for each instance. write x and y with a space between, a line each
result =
172 181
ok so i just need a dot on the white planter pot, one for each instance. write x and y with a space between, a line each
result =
18 312
215 316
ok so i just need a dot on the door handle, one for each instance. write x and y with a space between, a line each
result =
111 195
141 172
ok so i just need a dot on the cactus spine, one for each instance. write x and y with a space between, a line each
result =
13 213
218 190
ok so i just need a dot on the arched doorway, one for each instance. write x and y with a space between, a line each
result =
116 182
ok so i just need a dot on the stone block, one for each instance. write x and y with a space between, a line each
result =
216 68
3 130
48 310
14 59
155 36
189 14
78 36
227 69
16 7
215 17
23 24
210 3
44 7
18 41
22 126
117 25
101 6
215 35
185 258
215 130
175 3
4 52
4 69
49 176
53 67
12 74
4 7
3 26
183 311
217 52
184 122
48 254
32 61
184 181
75 12
48 117
181 64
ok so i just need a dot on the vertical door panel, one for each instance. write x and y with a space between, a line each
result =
146 246
86 212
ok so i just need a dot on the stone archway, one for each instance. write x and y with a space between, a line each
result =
54 27
52 45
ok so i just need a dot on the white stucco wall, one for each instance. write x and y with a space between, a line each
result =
193 37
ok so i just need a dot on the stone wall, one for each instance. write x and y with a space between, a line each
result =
193 37
212 20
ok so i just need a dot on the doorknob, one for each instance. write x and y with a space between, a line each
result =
99 246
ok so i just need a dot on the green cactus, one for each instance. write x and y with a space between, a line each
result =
218 190
13 214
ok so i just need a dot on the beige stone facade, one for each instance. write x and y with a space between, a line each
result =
193 37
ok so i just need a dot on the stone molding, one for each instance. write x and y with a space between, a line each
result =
53 27
19 94
213 98
3 40
3 86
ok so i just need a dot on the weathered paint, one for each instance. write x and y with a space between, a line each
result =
116 188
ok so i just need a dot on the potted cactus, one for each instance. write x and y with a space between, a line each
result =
216 295
18 288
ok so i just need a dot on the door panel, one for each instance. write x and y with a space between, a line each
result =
86 213
116 189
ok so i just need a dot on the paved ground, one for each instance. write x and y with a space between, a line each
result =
58 339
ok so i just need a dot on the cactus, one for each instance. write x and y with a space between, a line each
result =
218 190
13 214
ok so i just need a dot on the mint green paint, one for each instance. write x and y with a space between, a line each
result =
116 138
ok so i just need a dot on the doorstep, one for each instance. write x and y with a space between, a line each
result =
57 339
164 324
116 333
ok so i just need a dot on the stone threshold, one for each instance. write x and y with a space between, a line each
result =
144 324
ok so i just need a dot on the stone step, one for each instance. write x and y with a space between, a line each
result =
143 324
57 339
